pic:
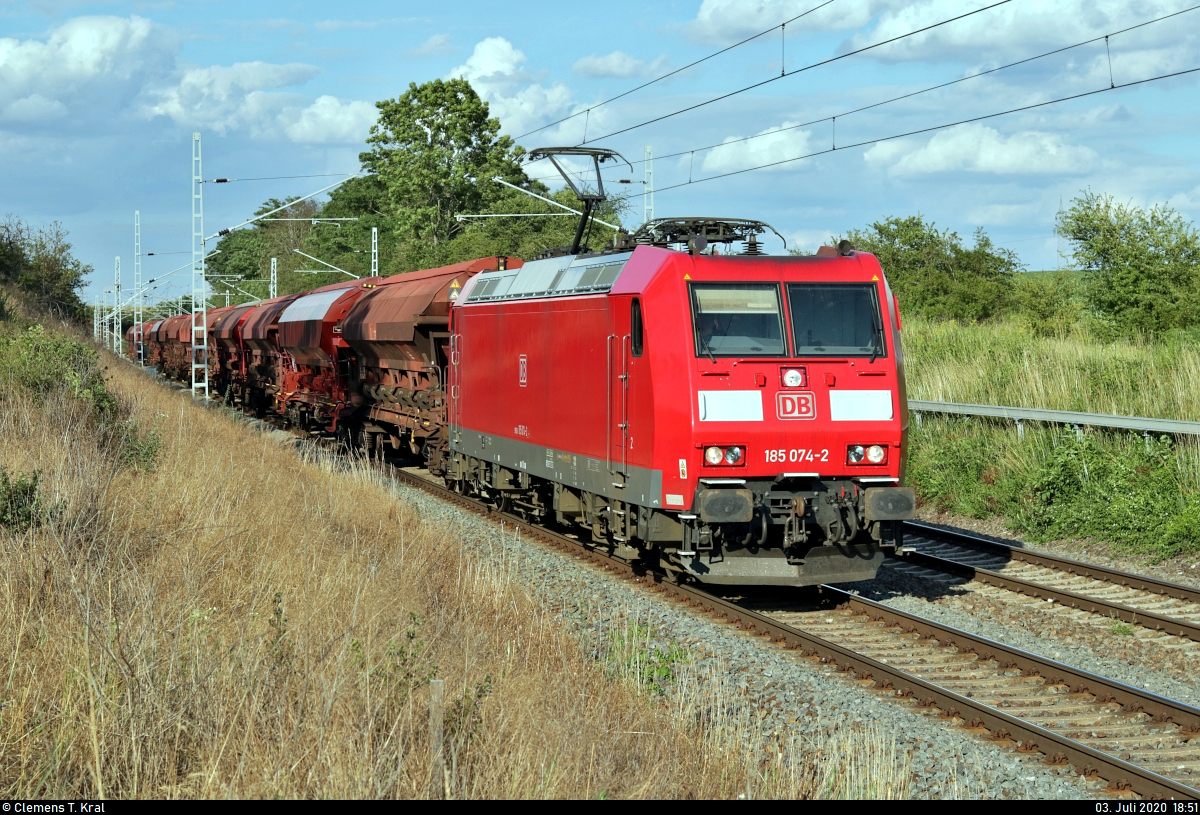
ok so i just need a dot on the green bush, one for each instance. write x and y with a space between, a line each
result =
139 450
42 362
935 275
962 467
1122 490
1053 485
1141 264
1049 303
21 507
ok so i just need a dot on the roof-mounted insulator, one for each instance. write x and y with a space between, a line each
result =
690 231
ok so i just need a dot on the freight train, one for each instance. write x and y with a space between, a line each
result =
730 418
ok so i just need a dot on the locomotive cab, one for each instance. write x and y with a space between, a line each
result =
798 425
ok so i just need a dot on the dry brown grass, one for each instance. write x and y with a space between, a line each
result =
243 622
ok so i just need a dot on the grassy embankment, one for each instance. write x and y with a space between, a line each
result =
191 609
1111 486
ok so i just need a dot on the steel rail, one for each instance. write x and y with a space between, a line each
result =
1067 566
1069 599
1001 726
1131 580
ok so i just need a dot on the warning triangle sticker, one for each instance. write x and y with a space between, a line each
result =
687 277
875 277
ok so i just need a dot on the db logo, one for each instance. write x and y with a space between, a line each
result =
796 405
524 370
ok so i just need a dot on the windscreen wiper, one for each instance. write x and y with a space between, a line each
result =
707 350
877 347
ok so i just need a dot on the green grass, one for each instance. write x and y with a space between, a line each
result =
1143 496
1005 364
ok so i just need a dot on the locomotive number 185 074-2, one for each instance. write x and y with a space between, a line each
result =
796 455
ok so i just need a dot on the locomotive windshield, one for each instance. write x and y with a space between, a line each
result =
836 319
737 319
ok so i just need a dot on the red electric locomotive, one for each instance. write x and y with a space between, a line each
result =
737 419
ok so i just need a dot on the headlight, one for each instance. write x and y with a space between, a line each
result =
792 378
855 453
714 455
876 454
733 455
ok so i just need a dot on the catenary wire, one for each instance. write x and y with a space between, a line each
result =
914 93
921 130
270 178
672 73
797 71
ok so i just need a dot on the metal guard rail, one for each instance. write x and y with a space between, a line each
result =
1171 427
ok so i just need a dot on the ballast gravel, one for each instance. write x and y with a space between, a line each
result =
1074 638
798 702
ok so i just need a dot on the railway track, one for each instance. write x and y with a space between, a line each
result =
1159 605
1138 741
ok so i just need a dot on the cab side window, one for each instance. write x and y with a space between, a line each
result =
635 328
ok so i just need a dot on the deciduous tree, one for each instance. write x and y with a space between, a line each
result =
436 150
934 274
1142 265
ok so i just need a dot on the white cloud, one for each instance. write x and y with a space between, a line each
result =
104 68
229 97
88 65
769 146
988 215
494 70
1014 30
339 25
809 240
1021 29
435 46
34 108
617 64
329 120
1186 202
721 22
980 149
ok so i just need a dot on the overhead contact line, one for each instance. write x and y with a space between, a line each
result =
833 148
587 111
808 67
929 89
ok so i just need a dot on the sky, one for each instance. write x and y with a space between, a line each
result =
98 103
